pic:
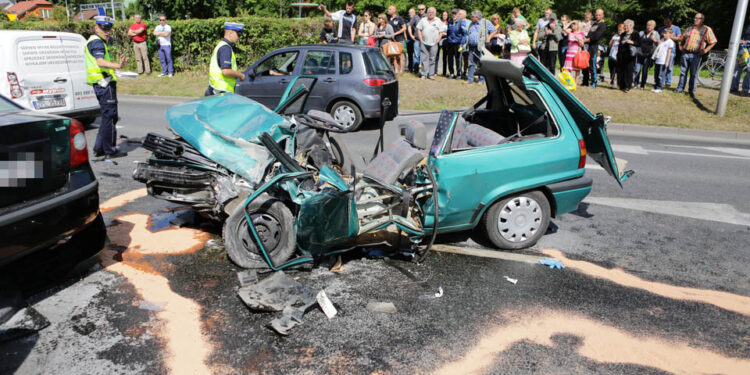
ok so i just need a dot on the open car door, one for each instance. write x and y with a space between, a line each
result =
593 128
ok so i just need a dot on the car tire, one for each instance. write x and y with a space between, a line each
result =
87 121
518 221
347 114
275 225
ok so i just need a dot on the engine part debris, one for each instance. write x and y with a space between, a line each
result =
25 322
382 307
512 281
276 292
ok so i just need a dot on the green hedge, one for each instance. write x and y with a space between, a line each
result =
193 41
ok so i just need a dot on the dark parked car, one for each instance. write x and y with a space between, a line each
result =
350 79
49 196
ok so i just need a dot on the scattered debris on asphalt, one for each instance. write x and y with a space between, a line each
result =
326 305
247 277
151 306
552 263
382 307
338 266
23 323
434 295
511 280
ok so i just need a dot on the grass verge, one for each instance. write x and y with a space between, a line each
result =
636 107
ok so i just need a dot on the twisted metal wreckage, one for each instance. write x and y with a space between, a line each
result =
282 180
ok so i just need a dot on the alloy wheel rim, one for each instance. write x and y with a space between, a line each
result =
344 115
519 219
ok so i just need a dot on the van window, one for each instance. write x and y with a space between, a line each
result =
345 62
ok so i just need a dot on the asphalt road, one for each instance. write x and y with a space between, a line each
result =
656 281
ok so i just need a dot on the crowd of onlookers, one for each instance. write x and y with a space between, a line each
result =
430 40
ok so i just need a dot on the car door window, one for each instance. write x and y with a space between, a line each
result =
319 63
279 64
345 62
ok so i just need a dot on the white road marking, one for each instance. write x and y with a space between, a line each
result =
630 149
698 155
727 150
718 212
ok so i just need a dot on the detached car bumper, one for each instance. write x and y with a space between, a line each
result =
47 222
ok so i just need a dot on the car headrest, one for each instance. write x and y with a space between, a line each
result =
415 133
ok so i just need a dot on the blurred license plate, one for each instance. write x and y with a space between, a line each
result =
49 103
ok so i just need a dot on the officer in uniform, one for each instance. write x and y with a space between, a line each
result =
100 73
222 72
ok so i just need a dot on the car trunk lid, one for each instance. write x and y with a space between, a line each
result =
592 127
35 153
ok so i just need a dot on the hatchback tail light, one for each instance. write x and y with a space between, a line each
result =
15 86
79 154
374 82
582 158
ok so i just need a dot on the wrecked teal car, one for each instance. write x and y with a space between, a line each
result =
288 190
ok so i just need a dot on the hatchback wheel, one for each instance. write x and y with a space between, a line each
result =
275 226
519 221
347 114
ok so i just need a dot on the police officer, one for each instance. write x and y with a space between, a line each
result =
100 73
222 72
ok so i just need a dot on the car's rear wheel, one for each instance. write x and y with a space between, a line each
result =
275 226
347 114
518 221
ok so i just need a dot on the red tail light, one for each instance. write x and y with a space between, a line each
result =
374 82
15 86
79 154
582 158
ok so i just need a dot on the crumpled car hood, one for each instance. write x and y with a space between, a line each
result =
225 128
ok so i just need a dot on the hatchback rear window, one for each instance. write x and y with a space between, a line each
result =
376 63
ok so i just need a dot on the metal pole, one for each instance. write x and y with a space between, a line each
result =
67 10
729 66
122 10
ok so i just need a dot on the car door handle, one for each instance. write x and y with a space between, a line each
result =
283 81
60 80
329 80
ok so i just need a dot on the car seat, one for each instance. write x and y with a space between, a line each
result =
478 136
401 156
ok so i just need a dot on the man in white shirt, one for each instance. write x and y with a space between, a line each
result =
347 21
164 33
429 32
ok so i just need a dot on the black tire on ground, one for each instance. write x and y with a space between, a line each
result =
518 221
274 224
349 115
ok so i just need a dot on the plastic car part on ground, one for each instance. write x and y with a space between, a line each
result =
278 292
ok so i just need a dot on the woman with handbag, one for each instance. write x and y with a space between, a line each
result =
384 40
366 30
576 42
520 45
627 52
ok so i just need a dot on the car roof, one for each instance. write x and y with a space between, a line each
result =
13 34
331 46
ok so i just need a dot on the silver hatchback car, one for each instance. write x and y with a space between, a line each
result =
350 80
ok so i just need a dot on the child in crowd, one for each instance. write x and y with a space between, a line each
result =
663 55
328 35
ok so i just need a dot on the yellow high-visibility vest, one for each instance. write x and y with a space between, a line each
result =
94 72
216 78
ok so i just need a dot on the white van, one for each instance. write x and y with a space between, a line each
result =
45 71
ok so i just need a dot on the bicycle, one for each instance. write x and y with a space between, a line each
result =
711 71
